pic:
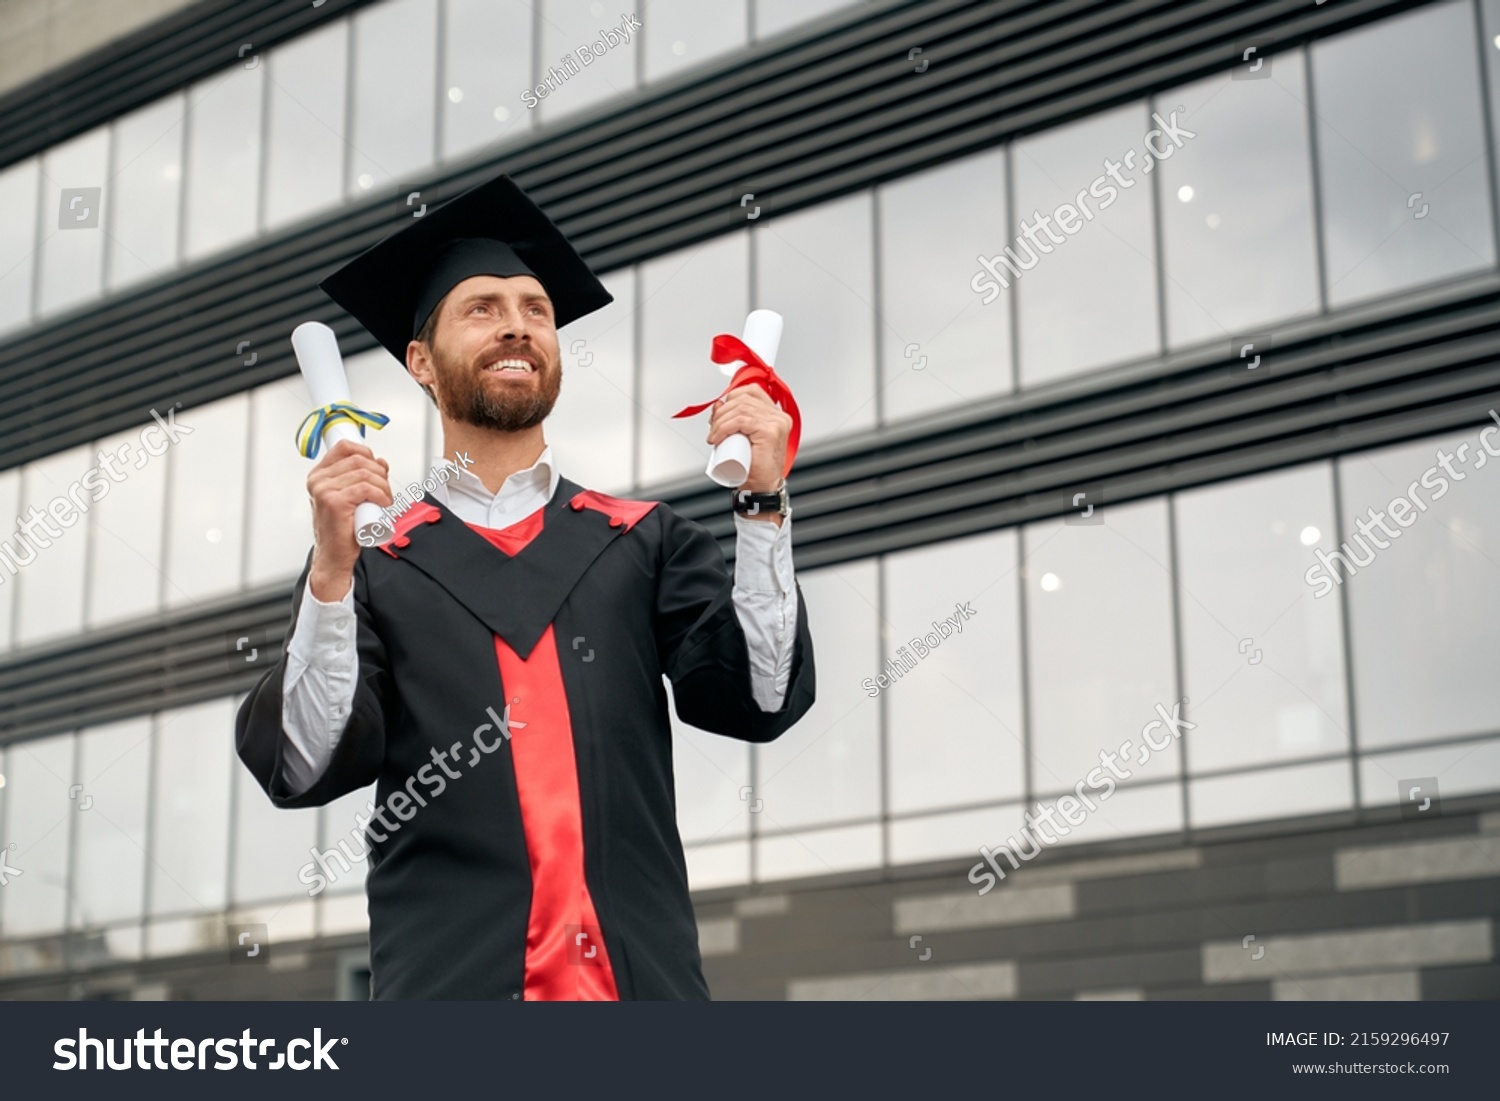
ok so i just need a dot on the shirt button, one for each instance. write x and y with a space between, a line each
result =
339 646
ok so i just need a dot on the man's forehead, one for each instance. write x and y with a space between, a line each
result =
499 286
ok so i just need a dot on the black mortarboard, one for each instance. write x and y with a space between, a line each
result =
492 229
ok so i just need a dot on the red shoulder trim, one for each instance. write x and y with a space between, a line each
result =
618 509
419 512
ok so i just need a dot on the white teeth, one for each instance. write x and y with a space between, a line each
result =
519 365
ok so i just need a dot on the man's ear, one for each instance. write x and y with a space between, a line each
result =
419 363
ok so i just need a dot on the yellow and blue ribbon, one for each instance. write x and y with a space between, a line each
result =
310 431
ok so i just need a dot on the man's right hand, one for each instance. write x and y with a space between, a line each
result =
344 477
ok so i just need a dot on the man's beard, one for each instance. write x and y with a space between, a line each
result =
465 396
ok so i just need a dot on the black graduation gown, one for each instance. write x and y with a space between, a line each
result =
631 591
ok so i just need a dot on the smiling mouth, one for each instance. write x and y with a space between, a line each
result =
510 366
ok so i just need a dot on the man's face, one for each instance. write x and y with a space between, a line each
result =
494 360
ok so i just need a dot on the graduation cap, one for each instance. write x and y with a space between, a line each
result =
494 229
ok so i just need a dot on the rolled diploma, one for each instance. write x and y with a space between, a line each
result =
729 462
323 369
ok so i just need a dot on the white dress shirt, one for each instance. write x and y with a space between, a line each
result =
322 660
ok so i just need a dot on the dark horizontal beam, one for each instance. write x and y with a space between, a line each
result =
797 122
1365 378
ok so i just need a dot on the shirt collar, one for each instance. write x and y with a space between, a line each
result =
542 472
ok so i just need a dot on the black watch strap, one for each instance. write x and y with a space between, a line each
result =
751 504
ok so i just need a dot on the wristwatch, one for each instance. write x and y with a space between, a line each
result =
751 504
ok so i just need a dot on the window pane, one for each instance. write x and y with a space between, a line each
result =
684 33
342 835
110 865
789 854
1272 793
711 775
1236 201
190 828
687 298
953 702
571 31
223 159
1100 652
51 587
38 816
382 384
280 532
18 241
305 142
486 64
147 181
1399 116
1089 299
395 73
592 428
827 769
125 563
10 505
816 269
270 844
775 16
207 503
931 226
1262 659
1426 643
72 238
1468 768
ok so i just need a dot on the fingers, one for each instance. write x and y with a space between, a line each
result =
753 421
369 487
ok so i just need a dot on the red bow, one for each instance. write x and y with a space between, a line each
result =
756 371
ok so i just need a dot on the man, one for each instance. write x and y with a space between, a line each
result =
497 668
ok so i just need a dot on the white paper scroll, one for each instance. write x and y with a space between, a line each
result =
729 462
323 369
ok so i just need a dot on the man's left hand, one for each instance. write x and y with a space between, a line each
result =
750 411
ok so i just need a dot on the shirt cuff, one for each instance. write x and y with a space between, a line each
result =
763 555
324 631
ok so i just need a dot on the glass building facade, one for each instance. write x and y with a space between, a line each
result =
1359 168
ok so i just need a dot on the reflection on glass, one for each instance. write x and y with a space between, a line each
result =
687 298
223 159
1263 660
1236 203
1100 652
18 241
54 506
942 344
592 427
190 808
585 56
125 561
73 228
395 70
952 674
1422 612
280 534
1089 296
305 132
684 33
829 769
207 502
1401 153
38 819
816 269
486 66
271 845
147 186
110 851
775 16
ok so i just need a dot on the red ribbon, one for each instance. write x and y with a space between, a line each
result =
756 372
